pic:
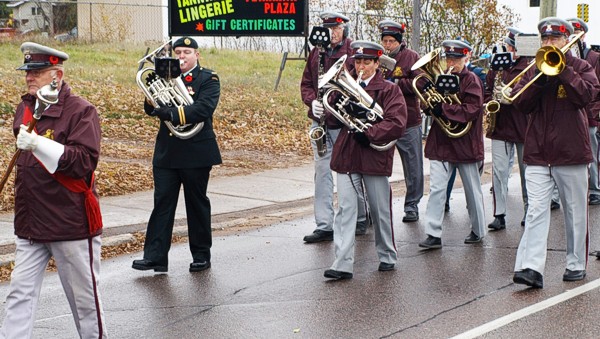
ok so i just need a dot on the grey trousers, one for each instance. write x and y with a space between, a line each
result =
410 148
380 200
323 205
594 185
502 153
440 172
78 264
572 186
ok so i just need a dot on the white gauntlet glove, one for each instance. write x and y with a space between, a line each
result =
47 151
503 100
317 108
26 141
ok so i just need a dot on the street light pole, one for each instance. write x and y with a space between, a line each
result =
416 27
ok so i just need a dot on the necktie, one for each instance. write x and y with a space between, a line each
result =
363 84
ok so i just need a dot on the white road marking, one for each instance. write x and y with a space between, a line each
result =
527 311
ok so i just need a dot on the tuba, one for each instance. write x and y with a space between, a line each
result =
431 66
166 91
338 79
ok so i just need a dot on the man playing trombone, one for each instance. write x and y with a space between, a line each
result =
507 130
556 151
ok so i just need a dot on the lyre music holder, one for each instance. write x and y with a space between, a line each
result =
501 61
167 68
447 83
319 37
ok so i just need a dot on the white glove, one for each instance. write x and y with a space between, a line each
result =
317 108
47 151
27 141
503 100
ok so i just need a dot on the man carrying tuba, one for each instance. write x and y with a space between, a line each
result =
356 162
509 132
180 161
465 152
556 151
309 90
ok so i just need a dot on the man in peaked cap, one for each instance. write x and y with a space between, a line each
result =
592 110
56 205
508 135
318 63
181 161
464 153
356 162
556 104
410 145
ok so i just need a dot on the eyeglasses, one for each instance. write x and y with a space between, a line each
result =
38 72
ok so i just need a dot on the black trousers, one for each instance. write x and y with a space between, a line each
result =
167 183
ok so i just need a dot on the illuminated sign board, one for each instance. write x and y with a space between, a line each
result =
238 17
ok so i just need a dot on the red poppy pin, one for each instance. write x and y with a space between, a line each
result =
562 28
338 20
188 78
379 53
53 59
465 51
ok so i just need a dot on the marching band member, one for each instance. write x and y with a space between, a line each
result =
323 203
592 111
464 153
556 104
508 134
356 161
410 145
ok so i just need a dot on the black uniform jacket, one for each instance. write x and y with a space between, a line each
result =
202 149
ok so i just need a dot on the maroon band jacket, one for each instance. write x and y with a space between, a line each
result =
557 132
510 124
469 147
44 209
309 86
350 157
593 108
403 77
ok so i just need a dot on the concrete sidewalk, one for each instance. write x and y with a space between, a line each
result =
227 194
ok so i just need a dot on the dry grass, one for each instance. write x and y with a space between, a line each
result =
257 128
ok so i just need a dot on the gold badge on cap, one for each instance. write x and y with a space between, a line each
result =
187 41
359 50
549 28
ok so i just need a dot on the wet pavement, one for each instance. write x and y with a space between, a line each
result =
267 283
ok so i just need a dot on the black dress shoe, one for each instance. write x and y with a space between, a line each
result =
383 266
498 224
411 216
594 199
573 275
529 277
554 206
472 238
318 236
596 254
145 264
431 242
361 228
198 266
337 275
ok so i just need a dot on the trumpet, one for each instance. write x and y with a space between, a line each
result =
549 60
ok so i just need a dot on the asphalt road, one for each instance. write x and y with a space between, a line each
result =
266 283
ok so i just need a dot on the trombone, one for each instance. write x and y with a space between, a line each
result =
549 60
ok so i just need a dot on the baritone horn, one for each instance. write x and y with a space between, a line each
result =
431 66
549 60
338 79
166 90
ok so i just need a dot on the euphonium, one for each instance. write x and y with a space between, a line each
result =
338 79
169 92
431 66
